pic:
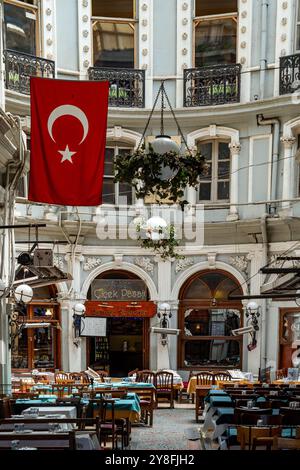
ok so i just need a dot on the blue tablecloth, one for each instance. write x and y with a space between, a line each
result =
222 400
122 385
214 393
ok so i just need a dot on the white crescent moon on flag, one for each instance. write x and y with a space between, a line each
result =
68 110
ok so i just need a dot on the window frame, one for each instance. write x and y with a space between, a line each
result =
198 19
297 25
214 201
35 8
132 22
55 322
116 148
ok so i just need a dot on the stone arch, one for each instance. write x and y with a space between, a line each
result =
204 265
118 133
153 294
213 132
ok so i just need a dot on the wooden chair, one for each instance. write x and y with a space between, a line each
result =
267 442
71 402
164 386
109 427
251 419
132 372
290 416
264 375
183 390
246 434
5 408
102 374
281 374
60 390
202 378
147 404
238 412
76 377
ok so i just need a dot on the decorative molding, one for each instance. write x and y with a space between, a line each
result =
235 148
84 37
287 141
184 35
183 264
284 33
91 262
118 259
48 29
145 46
211 258
59 261
144 263
240 262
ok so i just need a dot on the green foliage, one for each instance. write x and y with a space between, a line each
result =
143 171
166 247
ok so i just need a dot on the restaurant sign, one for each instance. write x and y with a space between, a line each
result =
118 290
120 309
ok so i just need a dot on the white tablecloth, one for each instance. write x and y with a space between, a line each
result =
85 440
67 411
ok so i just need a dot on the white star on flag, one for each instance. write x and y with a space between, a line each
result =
67 154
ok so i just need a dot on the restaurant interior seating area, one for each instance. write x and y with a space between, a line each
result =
89 410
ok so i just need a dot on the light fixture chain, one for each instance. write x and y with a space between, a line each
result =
162 109
150 116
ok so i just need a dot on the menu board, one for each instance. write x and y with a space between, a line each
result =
118 290
93 326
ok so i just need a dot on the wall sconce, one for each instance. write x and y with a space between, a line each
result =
252 312
164 313
79 313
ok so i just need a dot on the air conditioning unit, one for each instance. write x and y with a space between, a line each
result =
242 331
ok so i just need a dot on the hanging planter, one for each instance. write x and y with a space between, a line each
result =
144 171
161 170
157 235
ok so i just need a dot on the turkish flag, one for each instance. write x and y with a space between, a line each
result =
68 137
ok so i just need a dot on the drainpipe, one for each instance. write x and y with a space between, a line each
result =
275 123
263 47
265 305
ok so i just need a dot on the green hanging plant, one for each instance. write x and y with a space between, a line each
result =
165 246
143 170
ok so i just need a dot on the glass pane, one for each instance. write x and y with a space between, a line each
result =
206 150
19 353
108 191
215 7
19 29
223 190
291 327
125 193
224 170
215 322
224 152
215 42
43 347
45 312
113 9
113 45
212 353
205 192
109 162
298 38
207 176
217 285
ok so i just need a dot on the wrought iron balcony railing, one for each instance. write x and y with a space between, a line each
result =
20 67
127 86
289 74
214 85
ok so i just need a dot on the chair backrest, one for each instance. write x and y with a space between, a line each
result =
281 374
246 434
105 409
267 419
264 375
238 412
204 378
5 408
61 390
61 377
145 376
222 376
77 377
132 372
164 380
286 443
290 416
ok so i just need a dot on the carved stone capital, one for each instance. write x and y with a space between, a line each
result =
235 148
211 258
287 141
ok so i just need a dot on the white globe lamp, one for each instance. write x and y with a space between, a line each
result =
163 144
164 307
23 293
79 309
155 228
252 307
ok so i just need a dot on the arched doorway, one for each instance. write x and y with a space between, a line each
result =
121 299
206 319
36 334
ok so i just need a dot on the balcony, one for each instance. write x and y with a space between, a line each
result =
19 67
210 86
127 86
289 74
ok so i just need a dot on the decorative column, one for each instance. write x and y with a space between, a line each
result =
48 31
184 44
287 191
235 148
84 37
244 40
145 47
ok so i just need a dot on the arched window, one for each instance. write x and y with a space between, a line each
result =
215 186
206 320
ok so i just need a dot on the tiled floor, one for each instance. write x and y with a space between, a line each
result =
168 431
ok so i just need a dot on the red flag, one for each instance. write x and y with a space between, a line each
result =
68 136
